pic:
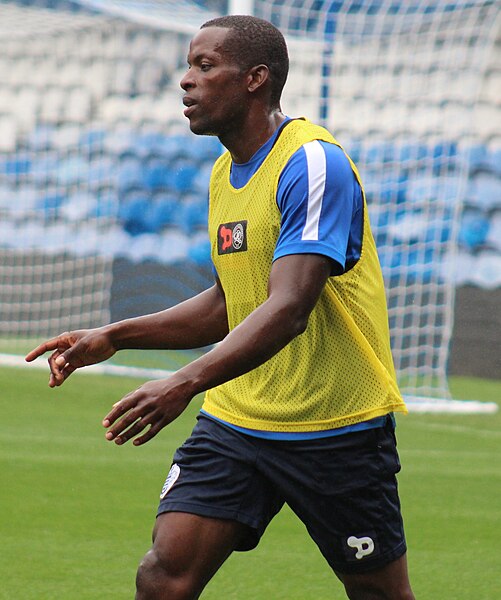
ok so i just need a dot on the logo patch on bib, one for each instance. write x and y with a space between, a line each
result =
232 237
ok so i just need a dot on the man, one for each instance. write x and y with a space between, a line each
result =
300 389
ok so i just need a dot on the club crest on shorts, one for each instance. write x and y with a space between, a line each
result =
232 237
171 480
358 548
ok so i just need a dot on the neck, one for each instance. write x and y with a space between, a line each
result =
244 141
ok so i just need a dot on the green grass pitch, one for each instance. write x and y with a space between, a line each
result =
77 511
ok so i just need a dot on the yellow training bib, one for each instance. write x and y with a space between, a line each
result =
340 370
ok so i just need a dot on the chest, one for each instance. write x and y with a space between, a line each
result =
244 224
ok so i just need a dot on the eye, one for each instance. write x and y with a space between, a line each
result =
205 66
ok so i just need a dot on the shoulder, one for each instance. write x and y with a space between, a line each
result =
331 154
317 160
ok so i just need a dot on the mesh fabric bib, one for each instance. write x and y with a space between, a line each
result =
340 370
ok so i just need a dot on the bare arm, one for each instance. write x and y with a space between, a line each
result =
295 285
197 322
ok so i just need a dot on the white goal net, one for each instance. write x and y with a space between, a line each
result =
103 189
401 84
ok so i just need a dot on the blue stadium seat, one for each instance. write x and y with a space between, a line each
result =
155 174
192 215
41 138
415 262
200 253
353 148
92 140
201 183
140 214
181 176
145 142
129 172
494 234
44 169
161 213
476 156
474 229
378 153
6 195
101 171
445 157
440 230
494 161
379 216
173 147
50 203
386 190
411 152
484 191
205 148
107 204
132 213
15 166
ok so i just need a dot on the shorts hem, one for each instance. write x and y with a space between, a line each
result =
377 563
217 513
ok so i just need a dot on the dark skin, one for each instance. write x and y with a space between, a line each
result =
197 322
223 100
187 550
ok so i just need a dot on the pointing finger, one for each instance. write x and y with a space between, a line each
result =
42 349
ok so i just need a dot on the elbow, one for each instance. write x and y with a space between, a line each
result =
301 325
296 323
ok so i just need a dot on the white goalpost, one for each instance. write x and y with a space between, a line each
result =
103 189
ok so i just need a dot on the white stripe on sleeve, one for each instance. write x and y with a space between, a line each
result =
315 159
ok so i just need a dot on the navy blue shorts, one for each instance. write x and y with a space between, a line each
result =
343 488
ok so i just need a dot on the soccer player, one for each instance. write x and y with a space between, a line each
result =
300 391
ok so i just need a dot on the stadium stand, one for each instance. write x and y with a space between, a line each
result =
97 163
121 91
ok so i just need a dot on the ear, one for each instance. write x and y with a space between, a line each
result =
257 77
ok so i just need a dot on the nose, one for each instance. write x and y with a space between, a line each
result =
186 82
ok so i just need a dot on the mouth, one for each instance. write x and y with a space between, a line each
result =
190 105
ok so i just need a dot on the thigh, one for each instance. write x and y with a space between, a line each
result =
390 582
344 490
191 547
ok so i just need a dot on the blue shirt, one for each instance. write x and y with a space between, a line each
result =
341 217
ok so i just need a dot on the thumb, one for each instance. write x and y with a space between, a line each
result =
61 360
69 356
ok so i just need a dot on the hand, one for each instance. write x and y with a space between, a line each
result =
154 404
72 350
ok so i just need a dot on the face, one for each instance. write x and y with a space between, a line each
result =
216 88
